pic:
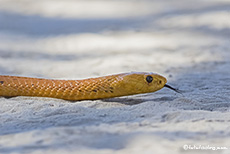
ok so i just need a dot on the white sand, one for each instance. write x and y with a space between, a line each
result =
186 41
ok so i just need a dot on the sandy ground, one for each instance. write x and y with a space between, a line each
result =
185 41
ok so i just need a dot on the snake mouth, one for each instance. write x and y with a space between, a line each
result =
174 89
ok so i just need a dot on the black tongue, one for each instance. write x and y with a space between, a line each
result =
174 89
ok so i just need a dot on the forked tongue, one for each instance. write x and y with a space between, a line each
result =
174 89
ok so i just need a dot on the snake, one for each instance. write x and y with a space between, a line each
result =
110 86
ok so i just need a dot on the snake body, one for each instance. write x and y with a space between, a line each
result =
86 89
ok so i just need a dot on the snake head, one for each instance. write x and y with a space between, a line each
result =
135 83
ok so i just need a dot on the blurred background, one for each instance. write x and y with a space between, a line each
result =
80 38
187 41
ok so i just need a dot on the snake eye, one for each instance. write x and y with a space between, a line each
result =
149 79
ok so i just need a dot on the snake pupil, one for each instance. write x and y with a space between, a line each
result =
149 79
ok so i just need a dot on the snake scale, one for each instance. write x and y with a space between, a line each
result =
87 89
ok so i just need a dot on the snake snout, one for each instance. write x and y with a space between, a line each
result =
162 81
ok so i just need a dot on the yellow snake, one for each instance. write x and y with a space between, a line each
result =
87 89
